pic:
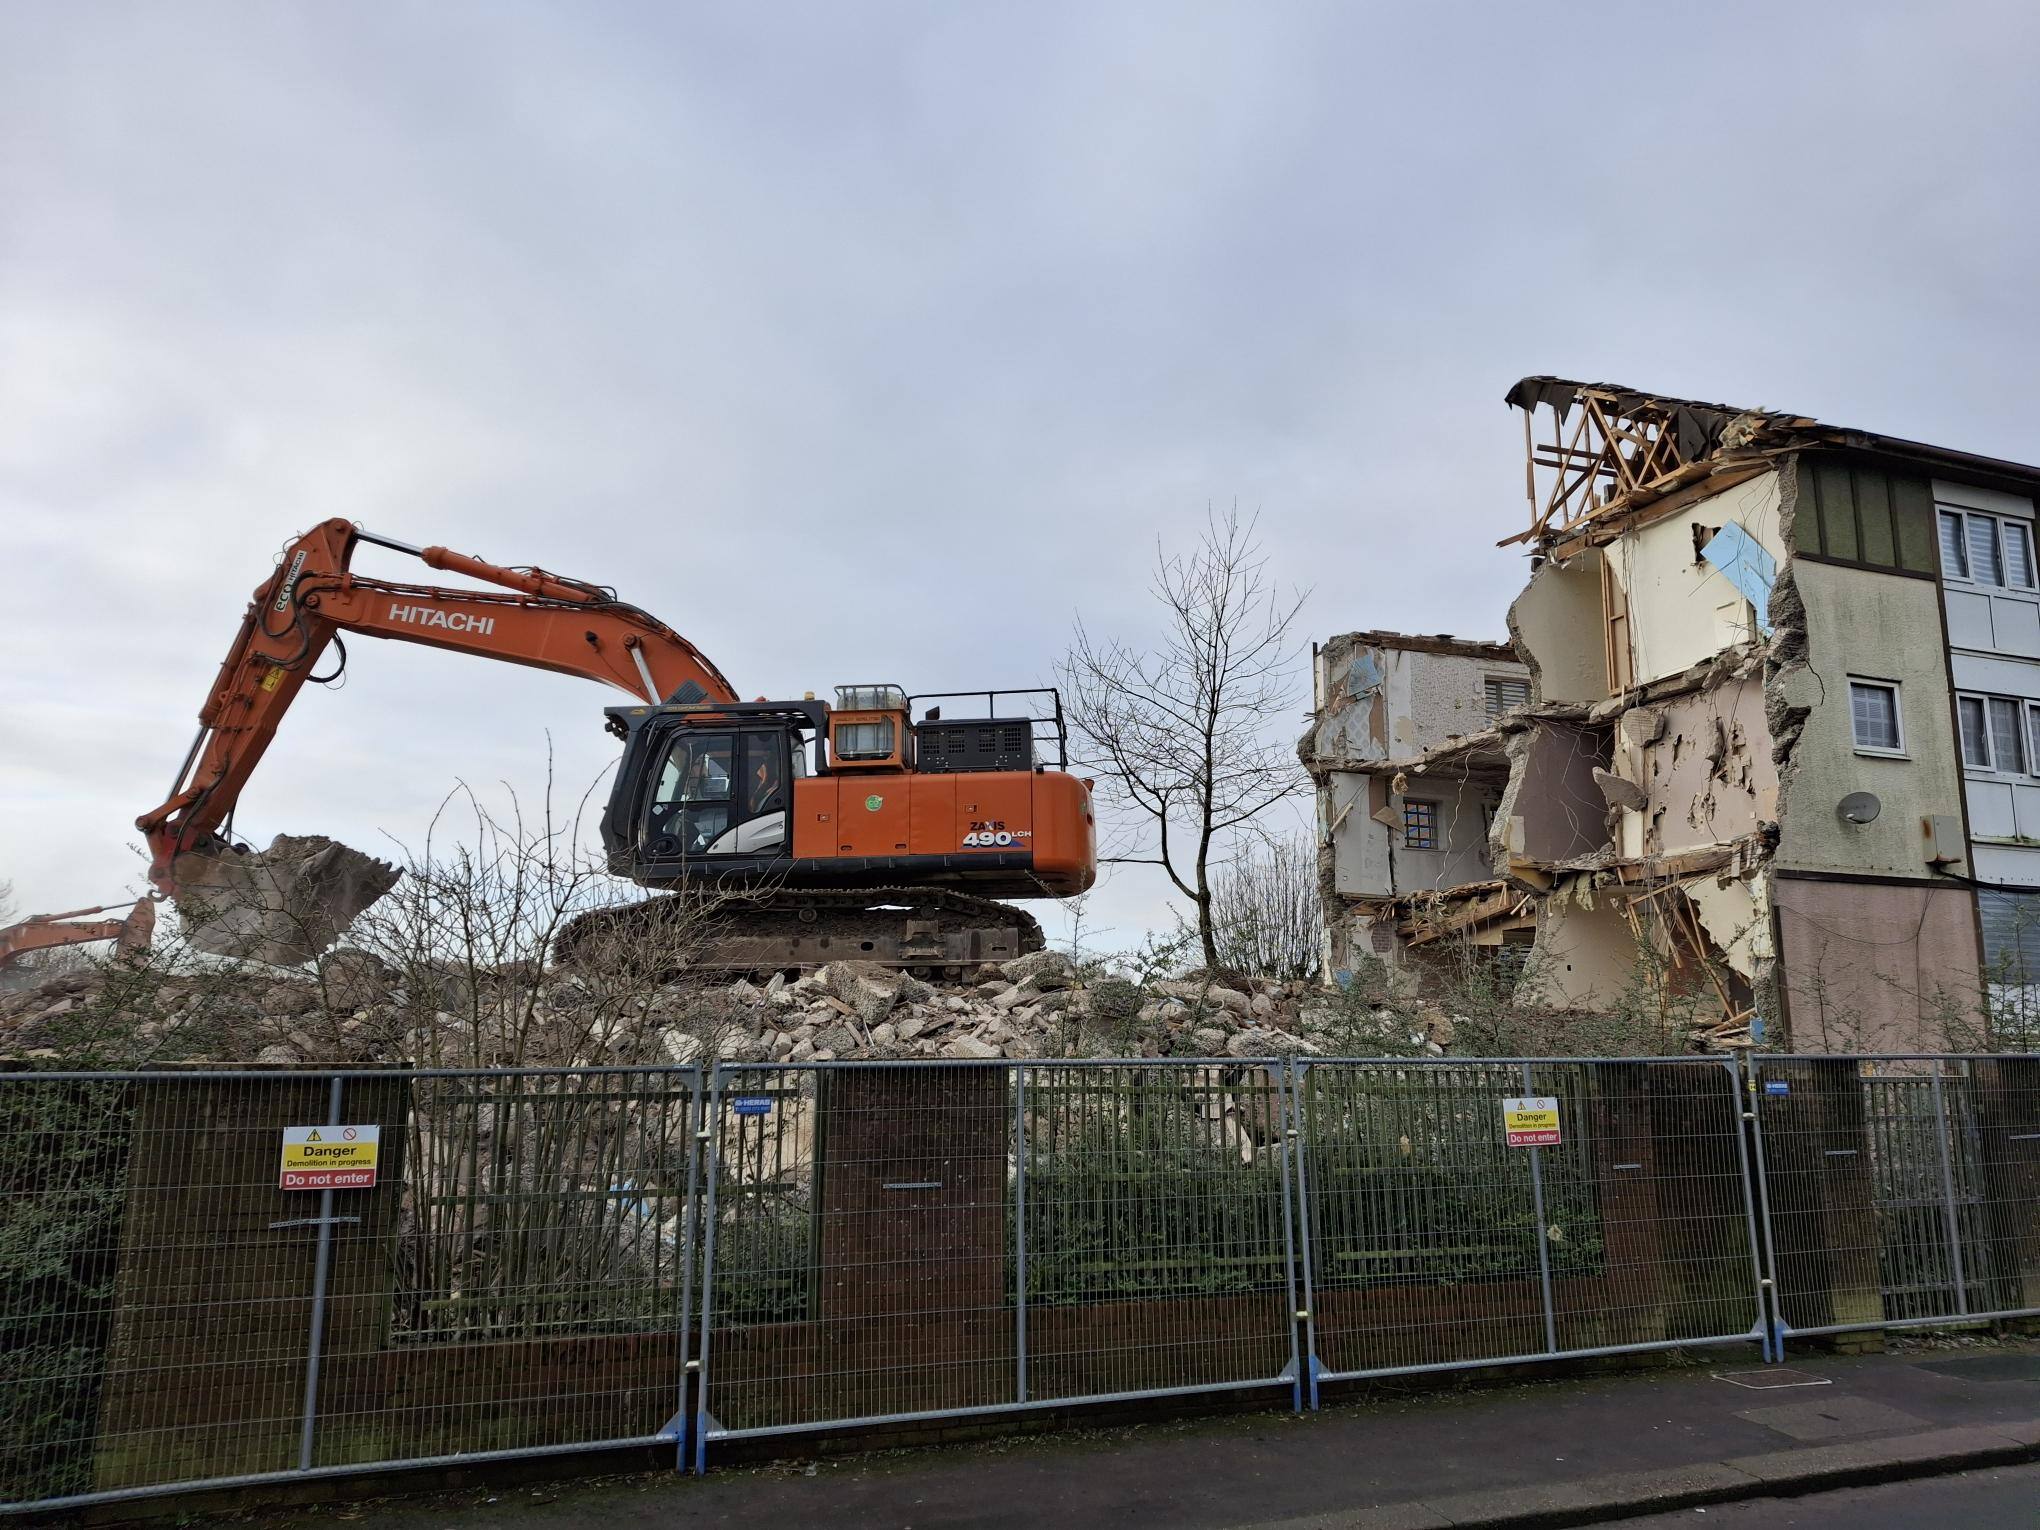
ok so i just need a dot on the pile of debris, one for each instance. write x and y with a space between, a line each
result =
358 1010
1033 1006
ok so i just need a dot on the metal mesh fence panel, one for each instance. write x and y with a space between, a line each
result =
1433 1243
1155 1230
537 1271
1899 1190
517 1277
900 1241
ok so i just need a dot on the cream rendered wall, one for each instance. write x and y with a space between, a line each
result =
1704 760
1584 956
1433 697
1463 853
1556 619
1381 703
1881 627
1681 609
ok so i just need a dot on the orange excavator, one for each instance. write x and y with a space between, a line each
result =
858 830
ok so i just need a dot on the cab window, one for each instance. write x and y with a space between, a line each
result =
693 800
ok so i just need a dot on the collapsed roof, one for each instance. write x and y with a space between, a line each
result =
1615 449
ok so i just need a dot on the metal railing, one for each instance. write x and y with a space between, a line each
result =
516 1279
900 1241
1898 1190
556 1260
1433 1244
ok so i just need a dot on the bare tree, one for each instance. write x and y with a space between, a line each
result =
1183 736
1268 910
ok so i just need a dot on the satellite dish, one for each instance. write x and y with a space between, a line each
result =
1858 807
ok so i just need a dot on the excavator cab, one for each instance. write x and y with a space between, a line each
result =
707 789
724 791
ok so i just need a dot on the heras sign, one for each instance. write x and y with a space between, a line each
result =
1531 1120
329 1157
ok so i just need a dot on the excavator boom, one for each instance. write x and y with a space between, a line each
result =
285 904
545 621
43 932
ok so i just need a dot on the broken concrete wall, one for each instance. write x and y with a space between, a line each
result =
1463 812
1347 803
1585 955
1552 810
1737 918
1704 763
1878 967
1351 722
1558 627
1378 701
1681 609
1835 624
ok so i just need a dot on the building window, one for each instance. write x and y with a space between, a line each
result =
1873 714
1987 549
1975 732
1999 733
2011 964
1505 695
1419 824
2008 735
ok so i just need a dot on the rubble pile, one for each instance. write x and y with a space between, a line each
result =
356 1009
1034 1006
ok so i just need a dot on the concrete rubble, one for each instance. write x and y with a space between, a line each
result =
359 1011
281 906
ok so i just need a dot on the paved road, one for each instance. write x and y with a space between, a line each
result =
2008 1499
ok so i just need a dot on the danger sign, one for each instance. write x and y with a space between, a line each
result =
1531 1120
329 1157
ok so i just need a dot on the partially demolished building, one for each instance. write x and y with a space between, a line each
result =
1779 750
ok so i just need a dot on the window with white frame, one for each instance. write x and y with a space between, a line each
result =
1999 733
1505 694
1987 549
1874 717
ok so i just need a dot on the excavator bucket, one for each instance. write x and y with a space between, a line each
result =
283 905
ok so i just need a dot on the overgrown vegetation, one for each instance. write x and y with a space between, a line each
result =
63 1186
1268 911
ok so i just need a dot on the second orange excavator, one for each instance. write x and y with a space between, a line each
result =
876 828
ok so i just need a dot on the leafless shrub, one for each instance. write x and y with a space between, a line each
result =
1268 911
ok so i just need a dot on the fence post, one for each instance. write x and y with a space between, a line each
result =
1296 1234
1948 1197
1763 1253
1543 1234
321 1272
690 1246
710 1136
1020 1230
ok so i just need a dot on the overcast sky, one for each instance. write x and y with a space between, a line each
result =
867 341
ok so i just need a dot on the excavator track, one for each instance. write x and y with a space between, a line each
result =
925 930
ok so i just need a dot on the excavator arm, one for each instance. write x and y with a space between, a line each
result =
41 932
532 618
542 620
